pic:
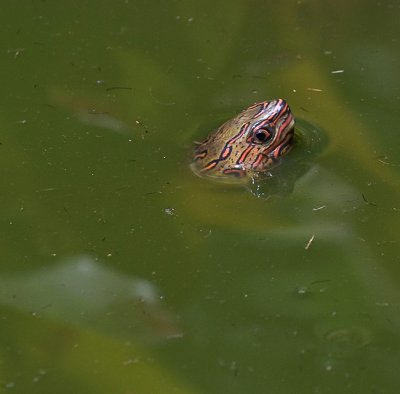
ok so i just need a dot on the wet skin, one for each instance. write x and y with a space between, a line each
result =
247 145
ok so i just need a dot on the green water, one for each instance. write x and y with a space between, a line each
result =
122 272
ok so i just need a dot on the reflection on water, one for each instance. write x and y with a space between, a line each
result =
346 341
85 292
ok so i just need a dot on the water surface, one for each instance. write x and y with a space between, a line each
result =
123 272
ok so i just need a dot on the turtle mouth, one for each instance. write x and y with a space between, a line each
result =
237 172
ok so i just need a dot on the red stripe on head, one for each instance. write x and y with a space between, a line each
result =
210 165
200 155
235 171
246 152
227 151
259 159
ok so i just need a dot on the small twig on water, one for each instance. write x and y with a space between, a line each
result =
368 202
309 242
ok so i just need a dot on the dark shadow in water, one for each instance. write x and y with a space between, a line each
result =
310 140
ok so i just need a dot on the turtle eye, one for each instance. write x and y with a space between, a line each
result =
262 135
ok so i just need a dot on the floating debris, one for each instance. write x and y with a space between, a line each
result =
367 201
309 242
314 89
319 208
169 211
118 88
